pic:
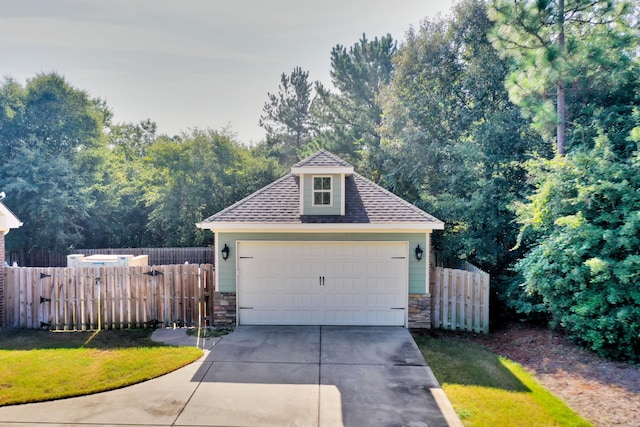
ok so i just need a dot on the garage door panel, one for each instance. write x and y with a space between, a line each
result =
330 283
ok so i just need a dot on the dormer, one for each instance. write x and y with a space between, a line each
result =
322 184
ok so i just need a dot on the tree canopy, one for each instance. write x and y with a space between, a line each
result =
579 222
287 118
556 43
78 180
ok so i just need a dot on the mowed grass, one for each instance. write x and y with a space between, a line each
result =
488 390
39 365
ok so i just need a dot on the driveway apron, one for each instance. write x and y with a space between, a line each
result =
273 376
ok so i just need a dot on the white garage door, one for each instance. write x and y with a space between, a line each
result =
322 283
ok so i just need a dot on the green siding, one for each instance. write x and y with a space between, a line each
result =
336 196
417 270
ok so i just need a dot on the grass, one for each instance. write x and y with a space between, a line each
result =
488 390
39 365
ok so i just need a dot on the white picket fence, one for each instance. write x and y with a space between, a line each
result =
460 299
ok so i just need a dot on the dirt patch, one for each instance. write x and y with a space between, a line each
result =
606 393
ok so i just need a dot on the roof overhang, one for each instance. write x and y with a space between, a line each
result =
8 220
321 170
242 227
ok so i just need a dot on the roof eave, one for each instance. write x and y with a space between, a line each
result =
321 227
8 220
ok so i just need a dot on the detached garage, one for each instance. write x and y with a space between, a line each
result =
323 246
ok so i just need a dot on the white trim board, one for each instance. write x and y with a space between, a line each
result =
321 227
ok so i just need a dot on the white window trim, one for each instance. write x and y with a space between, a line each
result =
343 198
330 191
301 180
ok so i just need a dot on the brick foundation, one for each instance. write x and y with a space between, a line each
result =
419 311
224 309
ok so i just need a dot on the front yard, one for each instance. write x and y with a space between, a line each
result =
497 379
38 365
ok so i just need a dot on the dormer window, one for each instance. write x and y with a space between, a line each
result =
321 181
322 191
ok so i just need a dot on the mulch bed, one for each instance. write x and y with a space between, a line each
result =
604 392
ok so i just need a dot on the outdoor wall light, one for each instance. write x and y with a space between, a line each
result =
225 252
419 253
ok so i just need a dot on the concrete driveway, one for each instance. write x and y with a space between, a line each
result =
271 376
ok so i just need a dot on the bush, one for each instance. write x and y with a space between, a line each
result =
586 266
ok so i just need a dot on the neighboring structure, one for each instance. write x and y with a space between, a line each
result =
7 221
79 260
323 246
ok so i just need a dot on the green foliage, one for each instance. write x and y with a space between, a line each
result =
454 144
75 179
586 266
119 214
562 49
579 224
195 175
45 195
349 119
287 119
52 146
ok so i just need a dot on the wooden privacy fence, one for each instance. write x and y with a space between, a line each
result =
108 297
157 256
460 299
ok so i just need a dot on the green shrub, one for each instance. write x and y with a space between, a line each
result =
586 265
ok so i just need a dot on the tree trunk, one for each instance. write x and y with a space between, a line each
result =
561 102
562 117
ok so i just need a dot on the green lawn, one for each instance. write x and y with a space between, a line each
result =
39 365
487 390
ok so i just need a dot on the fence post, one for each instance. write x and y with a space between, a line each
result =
485 301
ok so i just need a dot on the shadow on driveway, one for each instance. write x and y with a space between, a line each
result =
315 376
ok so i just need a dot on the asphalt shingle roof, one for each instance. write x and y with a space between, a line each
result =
322 158
365 203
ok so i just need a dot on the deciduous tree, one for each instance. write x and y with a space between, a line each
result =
455 143
52 143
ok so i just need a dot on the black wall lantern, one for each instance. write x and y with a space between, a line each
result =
419 253
225 252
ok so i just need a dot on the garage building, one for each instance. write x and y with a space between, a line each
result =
323 246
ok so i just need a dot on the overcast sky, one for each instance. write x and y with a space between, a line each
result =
191 63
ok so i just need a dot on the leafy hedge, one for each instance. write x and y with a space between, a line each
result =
586 266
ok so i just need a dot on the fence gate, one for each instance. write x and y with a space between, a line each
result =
108 297
460 299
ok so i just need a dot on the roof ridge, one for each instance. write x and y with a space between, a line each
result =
317 154
378 187
249 197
